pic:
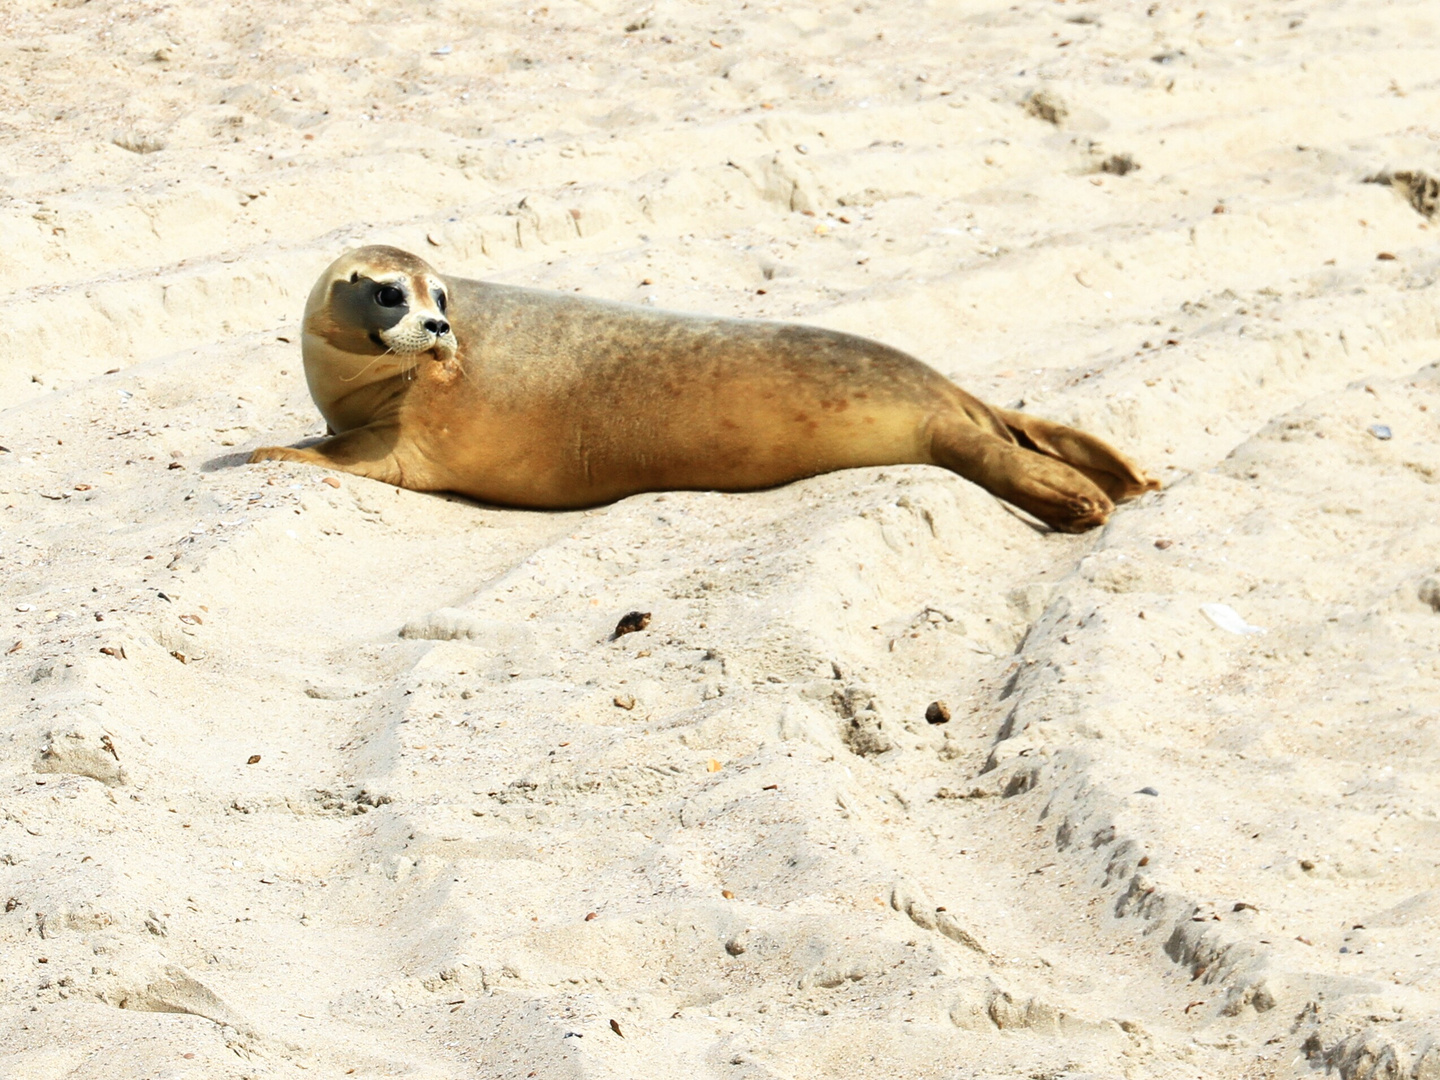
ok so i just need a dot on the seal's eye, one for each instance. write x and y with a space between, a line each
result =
440 302
389 296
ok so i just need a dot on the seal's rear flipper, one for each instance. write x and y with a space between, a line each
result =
1119 477
1064 498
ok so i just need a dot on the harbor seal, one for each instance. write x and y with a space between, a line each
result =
529 398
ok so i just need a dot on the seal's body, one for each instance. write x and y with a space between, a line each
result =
531 398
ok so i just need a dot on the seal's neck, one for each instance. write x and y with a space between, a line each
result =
350 389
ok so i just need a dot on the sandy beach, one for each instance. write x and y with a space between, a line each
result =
305 775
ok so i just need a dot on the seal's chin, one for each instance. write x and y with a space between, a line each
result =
445 347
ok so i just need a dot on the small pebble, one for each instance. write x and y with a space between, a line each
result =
727 894
615 1027
590 916
1147 791
632 623
624 701
937 713
1386 256
1381 432
331 481
1163 544
1306 864
254 759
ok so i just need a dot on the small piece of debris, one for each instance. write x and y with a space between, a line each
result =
1163 544
330 481
1228 619
615 1027
15 648
713 766
1385 256
937 712
1043 105
1147 791
1119 165
953 793
1419 189
632 623
727 894
1381 432
139 142
1241 905
1307 864
1429 593
117 651
624 701
254 759
590 916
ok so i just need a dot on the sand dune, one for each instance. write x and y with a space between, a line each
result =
307 774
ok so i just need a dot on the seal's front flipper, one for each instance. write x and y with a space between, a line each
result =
1064 498
1117 475
363 451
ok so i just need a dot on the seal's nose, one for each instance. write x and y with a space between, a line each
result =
438 327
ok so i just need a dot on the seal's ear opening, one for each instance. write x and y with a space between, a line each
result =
355 277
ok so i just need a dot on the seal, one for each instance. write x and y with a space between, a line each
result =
529 398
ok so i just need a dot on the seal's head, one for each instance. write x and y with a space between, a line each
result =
372 316
380 300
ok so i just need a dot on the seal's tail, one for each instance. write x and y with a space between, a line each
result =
1063 497
1110 470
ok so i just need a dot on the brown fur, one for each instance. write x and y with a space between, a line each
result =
553 400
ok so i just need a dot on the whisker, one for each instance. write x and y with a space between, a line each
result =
367 367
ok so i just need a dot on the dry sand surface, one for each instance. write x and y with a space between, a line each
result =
305 775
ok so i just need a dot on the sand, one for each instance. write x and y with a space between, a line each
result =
304 775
